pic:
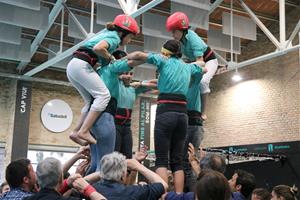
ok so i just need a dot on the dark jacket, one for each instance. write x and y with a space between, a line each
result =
47 194
117 191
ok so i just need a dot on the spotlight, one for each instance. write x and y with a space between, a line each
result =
236 77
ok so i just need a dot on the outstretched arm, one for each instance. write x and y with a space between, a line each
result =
151 176
93 178
150 84
87 190
134 63
83 153
138 55
193 159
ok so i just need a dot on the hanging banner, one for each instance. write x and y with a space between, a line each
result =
22 119
144 124
268 148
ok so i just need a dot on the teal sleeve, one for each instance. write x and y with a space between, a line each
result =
119 66
198 45
113 43
156 59
195 69
198 49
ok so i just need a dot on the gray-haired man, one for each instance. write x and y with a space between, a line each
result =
114 172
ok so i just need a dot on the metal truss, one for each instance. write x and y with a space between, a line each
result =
130 8
42 33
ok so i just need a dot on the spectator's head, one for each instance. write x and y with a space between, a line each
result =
49 173
212 185
261 194
4 187
19 173
242 182
113 167
284 192
118 54
214 162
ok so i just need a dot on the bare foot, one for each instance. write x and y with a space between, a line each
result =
74 137
87 137
204 117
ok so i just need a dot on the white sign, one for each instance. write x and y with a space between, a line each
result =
56 115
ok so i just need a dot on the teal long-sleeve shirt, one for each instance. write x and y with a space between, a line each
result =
111 37
110 75
193 46
127 95
174 74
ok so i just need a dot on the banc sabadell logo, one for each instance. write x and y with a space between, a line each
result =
56 115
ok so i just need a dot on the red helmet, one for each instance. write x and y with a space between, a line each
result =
177 21
126 22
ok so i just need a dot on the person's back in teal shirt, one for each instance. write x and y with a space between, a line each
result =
174 74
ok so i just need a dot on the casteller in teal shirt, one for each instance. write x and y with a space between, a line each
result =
111 37
193 95
174 74
127 95
110 75
192 46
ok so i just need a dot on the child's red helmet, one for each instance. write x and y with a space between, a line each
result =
127 23
177 21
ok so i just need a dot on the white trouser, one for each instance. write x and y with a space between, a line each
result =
211 66
89 84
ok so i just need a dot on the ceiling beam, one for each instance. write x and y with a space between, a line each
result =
214 6
69 52
289 3
260 24
34 79
240 10
264 57
42 33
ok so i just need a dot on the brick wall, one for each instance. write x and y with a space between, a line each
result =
7 106
41 94
264 107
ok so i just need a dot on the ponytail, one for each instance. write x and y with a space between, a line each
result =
111 27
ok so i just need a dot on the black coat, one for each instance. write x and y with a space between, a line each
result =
49 194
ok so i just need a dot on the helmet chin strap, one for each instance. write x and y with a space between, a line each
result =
184 32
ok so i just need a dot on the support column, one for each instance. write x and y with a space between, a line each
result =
17 141
282 25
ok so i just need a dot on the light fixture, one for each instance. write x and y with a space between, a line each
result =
236 76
